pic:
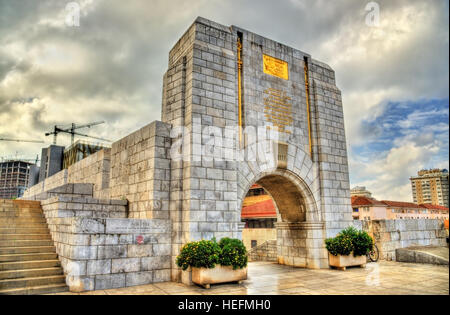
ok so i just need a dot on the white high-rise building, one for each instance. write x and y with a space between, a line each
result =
430 187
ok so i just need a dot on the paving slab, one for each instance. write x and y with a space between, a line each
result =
266 278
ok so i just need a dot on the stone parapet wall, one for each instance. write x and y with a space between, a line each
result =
57 180
140 171
68 190
101 254
95 169
390 235
99 248
84 206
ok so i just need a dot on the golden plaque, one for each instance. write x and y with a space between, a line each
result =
276 67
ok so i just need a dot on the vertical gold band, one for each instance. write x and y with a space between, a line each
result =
239 58
308 112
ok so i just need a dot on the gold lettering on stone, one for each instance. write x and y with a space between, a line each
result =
276 67
278 109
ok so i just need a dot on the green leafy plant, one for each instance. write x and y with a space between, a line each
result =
348 241
201 254
362 243
208 254
233 253
339 245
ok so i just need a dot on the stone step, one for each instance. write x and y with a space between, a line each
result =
26 203
17 220
20 230
27 208
18 214
26 243
31 282
28 257
22 237
20 265
28 273
27 250
37 290
23 225
7 208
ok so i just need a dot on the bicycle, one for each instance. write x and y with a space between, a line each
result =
374 254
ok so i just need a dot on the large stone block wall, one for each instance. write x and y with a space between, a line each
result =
140 171
267 251
390 235
199 92
100 249
95 169
301 245
330 146
39 191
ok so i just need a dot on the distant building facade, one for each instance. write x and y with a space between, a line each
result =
79 151
259 215
14 178
51 161
360 191
431 187
56 158
368 209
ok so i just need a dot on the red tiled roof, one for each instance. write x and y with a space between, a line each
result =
434 207
264 209
365 201
401 204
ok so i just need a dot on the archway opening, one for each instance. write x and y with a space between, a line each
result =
279 224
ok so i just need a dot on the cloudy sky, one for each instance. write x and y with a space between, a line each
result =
394 77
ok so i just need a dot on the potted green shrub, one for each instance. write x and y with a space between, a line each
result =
213 262
349 248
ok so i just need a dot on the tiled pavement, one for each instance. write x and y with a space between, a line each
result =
383 278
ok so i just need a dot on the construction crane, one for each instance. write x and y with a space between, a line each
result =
72 132
21 140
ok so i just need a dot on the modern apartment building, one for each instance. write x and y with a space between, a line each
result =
430 187
14 178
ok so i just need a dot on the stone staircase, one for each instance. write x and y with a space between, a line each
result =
28 260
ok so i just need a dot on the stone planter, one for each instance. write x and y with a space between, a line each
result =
220 274
342 262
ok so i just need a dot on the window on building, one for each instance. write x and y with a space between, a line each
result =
254 243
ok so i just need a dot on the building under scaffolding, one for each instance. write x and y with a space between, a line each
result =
80 150
14 178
